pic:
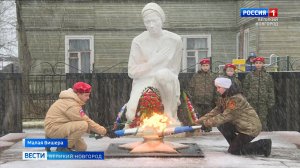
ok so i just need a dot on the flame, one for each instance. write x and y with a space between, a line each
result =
157 122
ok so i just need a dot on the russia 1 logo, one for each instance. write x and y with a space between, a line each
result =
273 12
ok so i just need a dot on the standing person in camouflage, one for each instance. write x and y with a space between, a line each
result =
202 90
259 90
237 120
229 72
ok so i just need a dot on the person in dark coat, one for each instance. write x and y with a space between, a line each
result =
229 72
201 89
259 90
237 120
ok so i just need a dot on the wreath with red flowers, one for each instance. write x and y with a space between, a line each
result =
186 112
149 103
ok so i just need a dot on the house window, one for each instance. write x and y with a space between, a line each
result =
79 56
246 43
195 48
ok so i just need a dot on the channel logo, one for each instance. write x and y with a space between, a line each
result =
63 155
34 155
259 12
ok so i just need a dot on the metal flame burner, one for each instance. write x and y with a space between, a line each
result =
153 144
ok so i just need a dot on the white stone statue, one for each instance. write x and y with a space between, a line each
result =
155 60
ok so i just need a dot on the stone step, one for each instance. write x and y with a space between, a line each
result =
5 145
13 137
33 124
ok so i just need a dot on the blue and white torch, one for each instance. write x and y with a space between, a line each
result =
165 132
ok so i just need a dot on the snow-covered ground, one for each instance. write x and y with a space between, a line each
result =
284 153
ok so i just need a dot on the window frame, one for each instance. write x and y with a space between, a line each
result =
246 43
67 52
184 40
238 36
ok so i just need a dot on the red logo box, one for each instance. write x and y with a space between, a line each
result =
273 12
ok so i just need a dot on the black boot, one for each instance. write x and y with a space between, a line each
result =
48 149
267 147
260 147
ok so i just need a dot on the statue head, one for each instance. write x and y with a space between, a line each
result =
154 7
153 17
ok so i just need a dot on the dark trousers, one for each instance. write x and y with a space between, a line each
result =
240 144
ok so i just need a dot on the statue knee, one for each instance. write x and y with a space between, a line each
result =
163 75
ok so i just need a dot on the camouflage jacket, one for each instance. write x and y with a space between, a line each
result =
236 81
236 110
258 87
202 89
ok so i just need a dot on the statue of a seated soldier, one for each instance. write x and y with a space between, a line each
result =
154 61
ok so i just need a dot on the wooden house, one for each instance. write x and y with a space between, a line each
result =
95 35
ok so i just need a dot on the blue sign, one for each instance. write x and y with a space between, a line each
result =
29 143
75 155
254 12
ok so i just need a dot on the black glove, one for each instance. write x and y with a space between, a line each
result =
111 133
203 128
96 136
206 129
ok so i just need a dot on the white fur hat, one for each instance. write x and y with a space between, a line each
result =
155 8
223 82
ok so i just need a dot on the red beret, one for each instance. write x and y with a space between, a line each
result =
229 66
261 59
81 87
205 61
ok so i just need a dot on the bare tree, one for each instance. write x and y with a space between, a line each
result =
8 39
